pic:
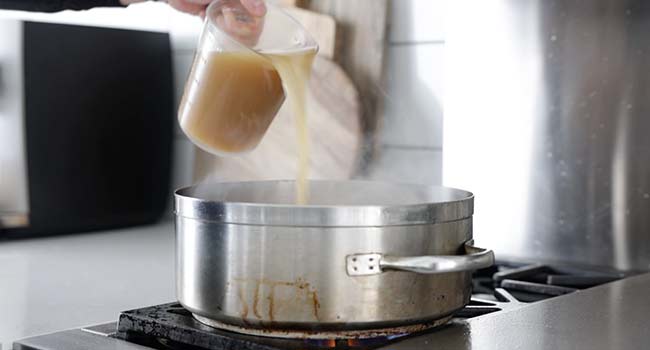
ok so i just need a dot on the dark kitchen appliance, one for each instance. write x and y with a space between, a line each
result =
85 128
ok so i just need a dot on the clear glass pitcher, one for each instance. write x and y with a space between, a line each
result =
234 91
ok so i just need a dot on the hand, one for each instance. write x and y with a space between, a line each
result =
256 8
243 20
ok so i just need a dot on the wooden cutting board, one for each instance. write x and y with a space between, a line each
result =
334 118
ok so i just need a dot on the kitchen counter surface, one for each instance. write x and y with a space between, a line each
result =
54 283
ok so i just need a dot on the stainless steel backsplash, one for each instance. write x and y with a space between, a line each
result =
547 121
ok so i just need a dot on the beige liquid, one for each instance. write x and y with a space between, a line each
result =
295 70
230 101
232 98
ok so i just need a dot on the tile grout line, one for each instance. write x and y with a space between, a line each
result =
416 43
412 148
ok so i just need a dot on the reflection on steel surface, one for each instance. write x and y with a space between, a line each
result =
546 121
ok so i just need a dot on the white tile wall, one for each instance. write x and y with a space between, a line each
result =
184 151
411 132
182 64
406 165
413 106
416 21
183 163
184 30
184 37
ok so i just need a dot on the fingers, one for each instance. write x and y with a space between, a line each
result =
238 23
242 19
191 7
256 8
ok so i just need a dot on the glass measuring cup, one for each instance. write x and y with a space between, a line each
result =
234 91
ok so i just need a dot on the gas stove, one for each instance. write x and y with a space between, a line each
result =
503 288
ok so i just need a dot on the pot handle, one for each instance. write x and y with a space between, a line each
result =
375 263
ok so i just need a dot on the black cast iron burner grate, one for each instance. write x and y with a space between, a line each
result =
170 326
502 287
534 282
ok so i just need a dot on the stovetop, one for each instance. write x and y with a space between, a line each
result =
503 288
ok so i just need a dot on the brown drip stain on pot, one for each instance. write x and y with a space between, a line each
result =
271 298
314 297
303 292
256 300
244 305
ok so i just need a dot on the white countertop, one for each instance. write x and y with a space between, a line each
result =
55 283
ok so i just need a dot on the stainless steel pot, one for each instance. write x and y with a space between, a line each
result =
360 256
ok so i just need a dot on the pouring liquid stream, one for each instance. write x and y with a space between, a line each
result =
294 70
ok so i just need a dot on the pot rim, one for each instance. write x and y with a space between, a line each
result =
423 204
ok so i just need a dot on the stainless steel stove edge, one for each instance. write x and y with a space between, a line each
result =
93 337
610 316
